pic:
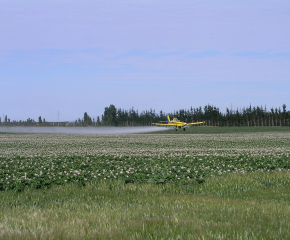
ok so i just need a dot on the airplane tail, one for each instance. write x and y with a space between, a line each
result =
167 119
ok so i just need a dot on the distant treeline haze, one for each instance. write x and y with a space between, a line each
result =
211 115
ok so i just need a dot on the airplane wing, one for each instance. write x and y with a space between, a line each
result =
194 123
164 124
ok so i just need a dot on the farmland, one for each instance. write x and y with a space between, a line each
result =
42 160
131 186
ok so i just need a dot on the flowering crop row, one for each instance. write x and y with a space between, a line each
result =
42 160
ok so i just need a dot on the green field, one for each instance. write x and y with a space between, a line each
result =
207 183
215 130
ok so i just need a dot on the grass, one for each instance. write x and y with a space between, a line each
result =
236 206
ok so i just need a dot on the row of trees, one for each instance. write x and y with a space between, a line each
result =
28 122
211 115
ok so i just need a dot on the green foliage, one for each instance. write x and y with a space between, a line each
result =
42 173
110 116
87 120
211 115
40 161
235 206
228 185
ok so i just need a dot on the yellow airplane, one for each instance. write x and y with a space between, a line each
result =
175 123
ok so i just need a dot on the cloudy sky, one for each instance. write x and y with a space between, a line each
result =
72 56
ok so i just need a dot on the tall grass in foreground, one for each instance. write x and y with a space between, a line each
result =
235 206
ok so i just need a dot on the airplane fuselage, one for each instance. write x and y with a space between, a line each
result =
175 123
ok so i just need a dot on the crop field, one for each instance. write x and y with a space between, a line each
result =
229 185
42 160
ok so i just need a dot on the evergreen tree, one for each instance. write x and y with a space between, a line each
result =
87 120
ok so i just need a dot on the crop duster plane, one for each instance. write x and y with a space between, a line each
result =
175 123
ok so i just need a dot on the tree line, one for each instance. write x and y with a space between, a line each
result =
211 115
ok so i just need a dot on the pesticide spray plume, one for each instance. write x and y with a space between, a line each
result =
82 130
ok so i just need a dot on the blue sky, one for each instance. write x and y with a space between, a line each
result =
74 56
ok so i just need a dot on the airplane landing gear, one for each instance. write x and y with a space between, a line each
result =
183 129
